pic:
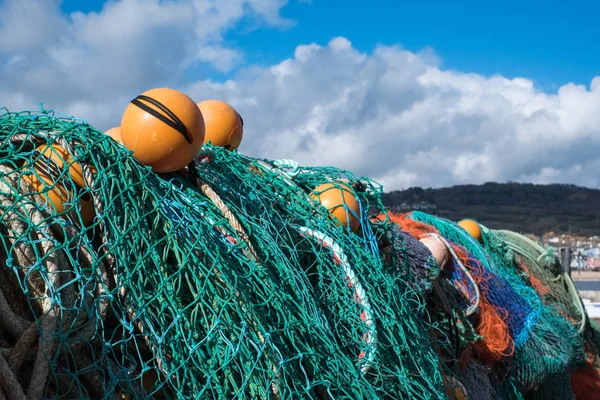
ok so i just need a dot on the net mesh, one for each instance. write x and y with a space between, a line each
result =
535 329
542 269
477 382
228 280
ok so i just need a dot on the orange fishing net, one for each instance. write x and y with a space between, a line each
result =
585 381
415 228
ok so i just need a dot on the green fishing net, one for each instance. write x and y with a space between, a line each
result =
275 198
542 270
226 281
541 267
562 343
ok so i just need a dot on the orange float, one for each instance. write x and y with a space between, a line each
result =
164 128
49 166
115 133
472 227
454 389
341 202
224 126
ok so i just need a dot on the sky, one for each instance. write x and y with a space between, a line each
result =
429 94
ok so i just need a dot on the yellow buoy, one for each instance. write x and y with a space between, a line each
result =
224 126
164 128
472 227
341 202
49 171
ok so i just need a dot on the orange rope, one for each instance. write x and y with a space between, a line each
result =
497 342
414 228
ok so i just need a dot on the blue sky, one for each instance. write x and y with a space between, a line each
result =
550 42
392 115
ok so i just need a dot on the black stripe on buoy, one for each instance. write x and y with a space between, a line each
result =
50 169
170 119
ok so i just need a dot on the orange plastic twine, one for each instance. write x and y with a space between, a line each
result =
536 283
496 342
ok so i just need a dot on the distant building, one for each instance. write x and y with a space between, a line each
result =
593 262
595 252
584 251
422 206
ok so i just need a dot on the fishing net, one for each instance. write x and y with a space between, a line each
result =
556 386
227 281
489 337
569 349
390 347
450 304
476 379
410 258
470 326
545 343
542 269
508 388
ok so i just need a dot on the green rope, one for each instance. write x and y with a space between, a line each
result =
562 283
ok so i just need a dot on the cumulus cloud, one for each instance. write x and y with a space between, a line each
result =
398 117
102 58
391 114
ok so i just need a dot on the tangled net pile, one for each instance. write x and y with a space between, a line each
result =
229 280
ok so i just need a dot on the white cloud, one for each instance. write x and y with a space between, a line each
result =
391 114
21 27
396 116
126 48
222 58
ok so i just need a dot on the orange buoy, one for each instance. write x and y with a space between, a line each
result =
472 227
49 171
164 128
454 388
224 126
115 133
341 202
438 250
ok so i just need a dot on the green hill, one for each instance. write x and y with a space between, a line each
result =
520 207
